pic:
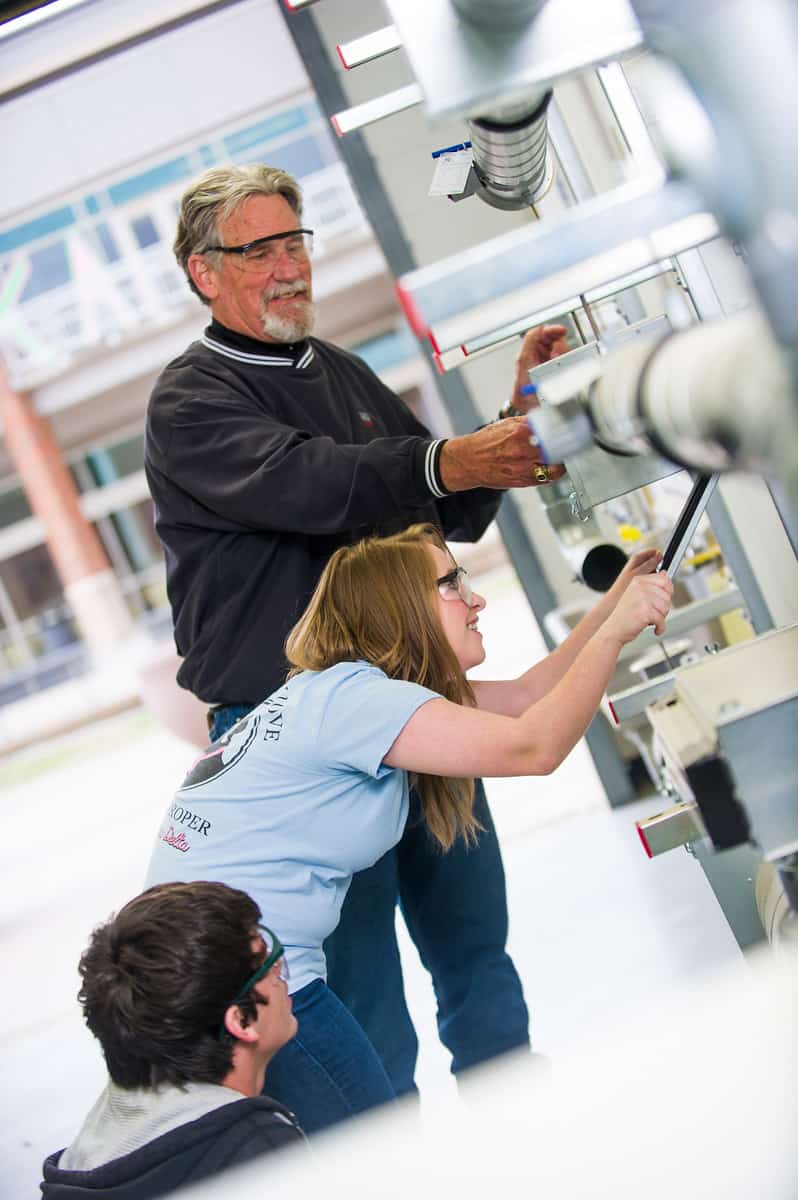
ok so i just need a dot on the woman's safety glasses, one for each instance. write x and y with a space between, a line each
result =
455 585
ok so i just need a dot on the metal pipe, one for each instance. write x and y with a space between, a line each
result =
500 16
510 142
595 562
715 397
511 159
740 60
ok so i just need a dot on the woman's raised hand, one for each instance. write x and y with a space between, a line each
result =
644 562
645 601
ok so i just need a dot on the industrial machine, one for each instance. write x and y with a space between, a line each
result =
639 155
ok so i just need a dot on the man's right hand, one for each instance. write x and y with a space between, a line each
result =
498 456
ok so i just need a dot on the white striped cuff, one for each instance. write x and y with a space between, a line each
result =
431 469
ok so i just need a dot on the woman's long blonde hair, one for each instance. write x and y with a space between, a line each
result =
377 601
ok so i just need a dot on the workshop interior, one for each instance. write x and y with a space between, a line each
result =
628 161
472 170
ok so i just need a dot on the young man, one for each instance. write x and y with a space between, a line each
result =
184 991
266 449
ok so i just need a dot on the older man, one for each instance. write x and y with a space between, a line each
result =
183 990
266 449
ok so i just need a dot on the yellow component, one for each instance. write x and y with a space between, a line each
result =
704 556
629 533
735 625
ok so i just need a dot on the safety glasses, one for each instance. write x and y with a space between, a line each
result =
264 253
455 585
275 952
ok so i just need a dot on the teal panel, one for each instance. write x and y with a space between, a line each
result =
151 181
264 131
299 158
29 231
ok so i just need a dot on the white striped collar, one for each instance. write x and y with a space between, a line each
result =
258 360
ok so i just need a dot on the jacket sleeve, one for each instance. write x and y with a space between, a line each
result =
464 516
258 473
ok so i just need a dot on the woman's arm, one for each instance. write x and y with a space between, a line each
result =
511 697
442 738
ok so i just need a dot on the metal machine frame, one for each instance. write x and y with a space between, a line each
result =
730 175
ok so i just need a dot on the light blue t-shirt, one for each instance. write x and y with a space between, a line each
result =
293 800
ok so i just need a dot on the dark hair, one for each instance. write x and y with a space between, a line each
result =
159 976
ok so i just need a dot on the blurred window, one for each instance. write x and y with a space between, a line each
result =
31 582
145 232
106 242
13 507
49 269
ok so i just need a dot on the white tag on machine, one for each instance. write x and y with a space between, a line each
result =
452 166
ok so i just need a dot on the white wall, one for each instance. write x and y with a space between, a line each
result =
141 101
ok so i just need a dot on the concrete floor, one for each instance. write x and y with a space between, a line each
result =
597 931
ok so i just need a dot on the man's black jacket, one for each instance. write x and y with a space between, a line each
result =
262 459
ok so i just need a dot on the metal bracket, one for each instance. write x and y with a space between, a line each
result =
675 826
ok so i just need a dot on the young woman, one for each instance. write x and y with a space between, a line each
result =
313 784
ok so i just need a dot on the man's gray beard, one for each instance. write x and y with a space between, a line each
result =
283 329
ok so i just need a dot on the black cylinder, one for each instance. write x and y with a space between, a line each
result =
602 565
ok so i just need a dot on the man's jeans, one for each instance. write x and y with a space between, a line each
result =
455 908
330 1070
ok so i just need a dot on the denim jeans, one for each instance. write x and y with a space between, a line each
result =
224 718
455 908
330 1071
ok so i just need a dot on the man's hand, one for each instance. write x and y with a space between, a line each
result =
540 345
498 456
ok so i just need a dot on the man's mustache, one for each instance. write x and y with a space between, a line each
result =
278 290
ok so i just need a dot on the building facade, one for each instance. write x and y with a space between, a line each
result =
92 305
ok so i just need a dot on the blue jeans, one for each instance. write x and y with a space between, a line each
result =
455 908
224 718
330 1071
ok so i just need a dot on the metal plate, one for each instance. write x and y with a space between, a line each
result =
748 696
465 71
535 267
762 750
596 475
372 45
